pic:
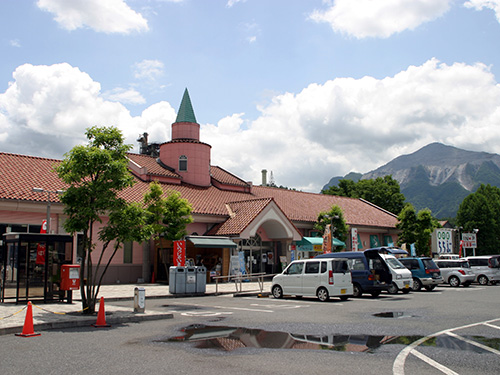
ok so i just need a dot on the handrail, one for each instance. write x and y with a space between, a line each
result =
239 278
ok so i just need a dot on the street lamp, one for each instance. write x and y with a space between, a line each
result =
40 190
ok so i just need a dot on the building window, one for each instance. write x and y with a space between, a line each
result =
127 252
183 163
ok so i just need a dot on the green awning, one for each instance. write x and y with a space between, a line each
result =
310 244
313 240
211 242
336 242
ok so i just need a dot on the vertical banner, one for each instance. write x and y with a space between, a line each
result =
354 239
444 241
43 229
179 253
327 240
40 254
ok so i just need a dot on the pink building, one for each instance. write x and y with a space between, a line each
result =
259 226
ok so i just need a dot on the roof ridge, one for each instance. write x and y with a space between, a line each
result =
29 156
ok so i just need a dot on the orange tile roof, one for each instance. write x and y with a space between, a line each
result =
20 173
152 166
225 177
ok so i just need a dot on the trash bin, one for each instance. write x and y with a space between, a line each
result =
201 279
139 300
177 280
190 280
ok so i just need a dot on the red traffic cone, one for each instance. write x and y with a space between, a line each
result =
28 330
101 316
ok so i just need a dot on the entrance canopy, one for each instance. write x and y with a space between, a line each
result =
310 244
211 241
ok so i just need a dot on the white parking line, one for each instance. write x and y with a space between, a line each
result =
479 345
433 363
398 367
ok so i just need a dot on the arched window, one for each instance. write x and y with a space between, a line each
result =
183 163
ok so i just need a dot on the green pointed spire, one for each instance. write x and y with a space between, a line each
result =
186 113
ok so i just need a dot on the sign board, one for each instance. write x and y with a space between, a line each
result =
444 241
354 239
179 253
469 240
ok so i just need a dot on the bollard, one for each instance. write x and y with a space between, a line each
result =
139 300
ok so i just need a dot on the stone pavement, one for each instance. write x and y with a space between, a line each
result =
64 315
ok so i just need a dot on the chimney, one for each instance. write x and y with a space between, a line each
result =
264 177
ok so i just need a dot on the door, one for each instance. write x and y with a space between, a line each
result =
292 283
311 278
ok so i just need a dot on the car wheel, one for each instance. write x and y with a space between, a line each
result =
277 292
454 281
344 298
393 289
483 280
406 291
357 291
322 294
430 288
417 284
375 294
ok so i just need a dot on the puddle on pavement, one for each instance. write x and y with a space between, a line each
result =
227 339
394 314
182 307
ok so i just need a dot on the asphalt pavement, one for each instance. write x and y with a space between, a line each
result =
15 318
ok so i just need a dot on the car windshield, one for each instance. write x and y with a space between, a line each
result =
464 265
394 264
429 264
494 262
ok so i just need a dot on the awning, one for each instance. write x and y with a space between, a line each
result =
211 242
310 244
337 242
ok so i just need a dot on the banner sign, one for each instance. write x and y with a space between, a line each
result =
327 240
43 229
40 254
444 238
354 239
179 253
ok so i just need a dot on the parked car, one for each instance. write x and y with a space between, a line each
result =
401 276
456 272
323 278
424 271
370 273
486 268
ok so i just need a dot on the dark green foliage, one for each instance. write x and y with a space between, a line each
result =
480 210
336 217
416 228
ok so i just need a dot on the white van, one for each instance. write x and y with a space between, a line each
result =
401 276
323 278
486 268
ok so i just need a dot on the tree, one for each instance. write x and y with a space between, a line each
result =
333 217
480 210
382 191
167 217
95 173
416 228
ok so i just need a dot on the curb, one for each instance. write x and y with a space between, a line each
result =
87 322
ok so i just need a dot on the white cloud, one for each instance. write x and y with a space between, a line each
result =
15 43
379 18
109 16
358 125
305 138
46 110
489 4
129 96
148 69
230 3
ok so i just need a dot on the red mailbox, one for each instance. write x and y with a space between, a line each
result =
70 277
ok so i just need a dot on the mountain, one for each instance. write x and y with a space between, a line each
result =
439 177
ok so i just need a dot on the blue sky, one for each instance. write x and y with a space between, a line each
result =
306 89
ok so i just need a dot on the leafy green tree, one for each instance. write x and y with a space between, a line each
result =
95 173
382 191
416 228
480 210
335 217
167 217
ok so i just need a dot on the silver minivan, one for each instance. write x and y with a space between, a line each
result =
486 268
322 278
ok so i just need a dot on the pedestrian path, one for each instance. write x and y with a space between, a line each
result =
64 315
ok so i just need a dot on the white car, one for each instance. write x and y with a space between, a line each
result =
486 268
456 272
322 278
402 278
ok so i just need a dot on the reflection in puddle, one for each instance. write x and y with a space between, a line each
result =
231 338
393 314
